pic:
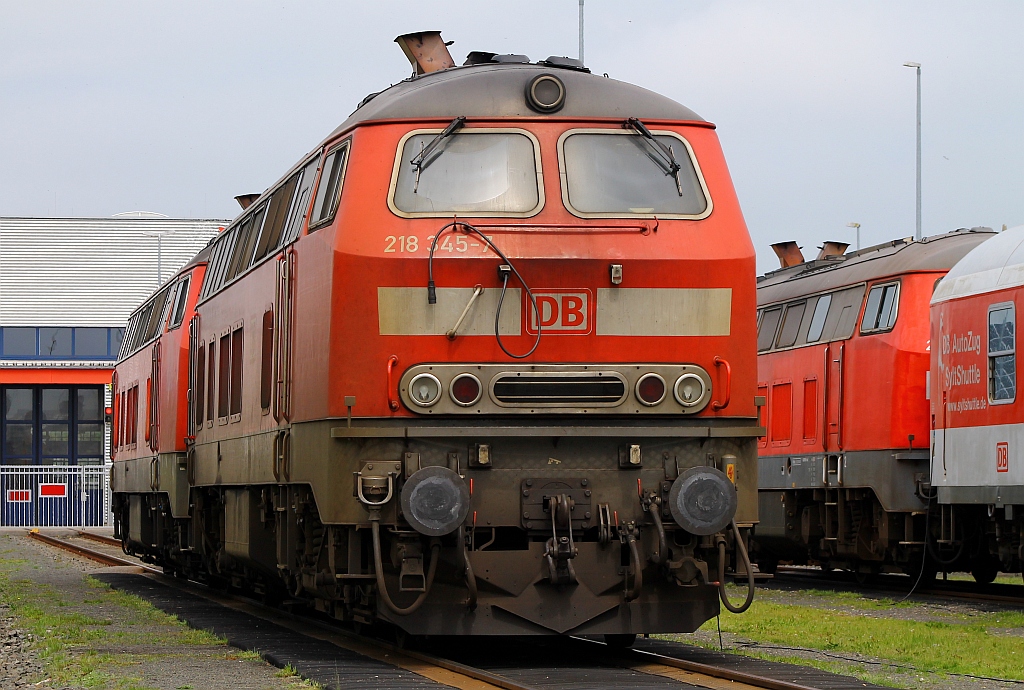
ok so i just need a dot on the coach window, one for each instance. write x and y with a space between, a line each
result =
882 307
480 172
302 202
818 318
179 303
246 243
616 173
200 399
329 189
791 324
769 324
236 374
277 216
1002 367
211 381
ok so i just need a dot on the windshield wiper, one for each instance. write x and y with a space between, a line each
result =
665 155
420 162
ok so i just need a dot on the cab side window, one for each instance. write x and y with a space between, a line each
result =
328 191
1002 365
766 332
882 307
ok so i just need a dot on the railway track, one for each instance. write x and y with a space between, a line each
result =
574 662
899 585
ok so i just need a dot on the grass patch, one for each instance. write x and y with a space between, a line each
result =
964 646
62 635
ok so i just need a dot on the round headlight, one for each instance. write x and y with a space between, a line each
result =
702 500
545 93
465 390
425 389
435 501
650 389
689 390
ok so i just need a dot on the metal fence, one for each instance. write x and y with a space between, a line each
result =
55 496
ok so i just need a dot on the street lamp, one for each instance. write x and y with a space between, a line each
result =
857 226
917 67
581 30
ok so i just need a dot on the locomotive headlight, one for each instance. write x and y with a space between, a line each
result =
702 500
425 390
435 501
689 390
650 389
465 390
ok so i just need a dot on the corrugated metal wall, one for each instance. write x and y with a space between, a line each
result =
89 271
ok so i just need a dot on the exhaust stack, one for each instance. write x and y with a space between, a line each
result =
426 51
789 254
829 249
245 200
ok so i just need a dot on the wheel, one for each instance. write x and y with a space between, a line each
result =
622 641
768 565
863 578
985 573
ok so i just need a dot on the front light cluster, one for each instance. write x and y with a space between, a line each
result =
465 390
688 390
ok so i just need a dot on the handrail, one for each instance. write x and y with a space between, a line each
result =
839 426
392 403
728 384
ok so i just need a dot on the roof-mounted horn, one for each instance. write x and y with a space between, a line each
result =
789 254
426 51
830 249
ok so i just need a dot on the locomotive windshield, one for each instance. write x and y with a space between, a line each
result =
621 173
493 173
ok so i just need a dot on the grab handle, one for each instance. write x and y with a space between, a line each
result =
719 362
392 403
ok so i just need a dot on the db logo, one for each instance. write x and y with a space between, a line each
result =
566 312
1003 457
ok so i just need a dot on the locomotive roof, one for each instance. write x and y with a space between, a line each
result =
997 264
494 90
936 253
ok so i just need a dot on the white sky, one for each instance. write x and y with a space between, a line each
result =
177 107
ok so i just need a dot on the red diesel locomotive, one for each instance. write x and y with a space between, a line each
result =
843 345
480 363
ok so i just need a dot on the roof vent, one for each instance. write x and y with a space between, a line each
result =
245 200
789 254
512 59
426 51
478 57
830 249
565 63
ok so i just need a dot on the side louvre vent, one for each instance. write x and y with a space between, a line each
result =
555 389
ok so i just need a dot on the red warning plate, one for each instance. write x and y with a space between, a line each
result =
53 490
19 496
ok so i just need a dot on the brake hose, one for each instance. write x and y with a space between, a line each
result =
382 587
721 572
432 292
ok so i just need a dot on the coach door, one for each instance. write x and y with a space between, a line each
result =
833 431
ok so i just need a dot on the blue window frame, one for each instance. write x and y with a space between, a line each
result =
49 342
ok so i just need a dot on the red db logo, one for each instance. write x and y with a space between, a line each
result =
1003 457
566 312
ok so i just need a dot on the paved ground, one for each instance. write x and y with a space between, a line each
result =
59 628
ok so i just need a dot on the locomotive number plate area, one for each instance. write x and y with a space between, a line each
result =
537 495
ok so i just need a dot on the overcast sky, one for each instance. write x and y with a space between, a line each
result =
177 107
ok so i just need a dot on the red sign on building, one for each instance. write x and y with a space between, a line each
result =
19 496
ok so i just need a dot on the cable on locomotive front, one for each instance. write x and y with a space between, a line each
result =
504 270
721 572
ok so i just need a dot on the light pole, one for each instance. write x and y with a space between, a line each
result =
917 67
581 30
857 226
